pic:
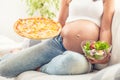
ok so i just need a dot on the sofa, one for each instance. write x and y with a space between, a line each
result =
112 72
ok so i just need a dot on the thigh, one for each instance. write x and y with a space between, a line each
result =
67 63
30 58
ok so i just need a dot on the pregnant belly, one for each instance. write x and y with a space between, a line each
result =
75 32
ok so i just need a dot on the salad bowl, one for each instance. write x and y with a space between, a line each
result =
95 50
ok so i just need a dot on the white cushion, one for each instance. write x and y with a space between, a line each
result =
6 45
115 57
3 78
34 75
109 73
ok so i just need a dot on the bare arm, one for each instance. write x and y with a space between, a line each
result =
105 29
64 11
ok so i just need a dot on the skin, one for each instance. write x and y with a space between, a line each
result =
73 34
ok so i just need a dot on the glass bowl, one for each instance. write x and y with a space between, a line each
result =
95 50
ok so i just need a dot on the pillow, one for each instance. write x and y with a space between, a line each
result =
109 73
115 38
8 45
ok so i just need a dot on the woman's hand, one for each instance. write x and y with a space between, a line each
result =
103 61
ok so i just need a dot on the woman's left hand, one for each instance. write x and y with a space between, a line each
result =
103 61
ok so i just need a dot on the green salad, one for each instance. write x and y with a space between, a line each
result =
97 50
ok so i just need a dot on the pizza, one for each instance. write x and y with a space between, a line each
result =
37 28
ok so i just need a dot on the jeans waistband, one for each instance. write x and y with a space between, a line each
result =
59 39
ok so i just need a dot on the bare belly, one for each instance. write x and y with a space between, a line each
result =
75 32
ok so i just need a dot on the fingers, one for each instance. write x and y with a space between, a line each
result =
92 61
103 61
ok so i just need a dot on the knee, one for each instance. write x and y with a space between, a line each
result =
76 63
68 63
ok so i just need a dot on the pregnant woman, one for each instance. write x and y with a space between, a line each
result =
81 20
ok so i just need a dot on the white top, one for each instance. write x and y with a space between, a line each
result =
86 9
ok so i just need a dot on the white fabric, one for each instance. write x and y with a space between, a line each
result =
115 57
33 75
6 45
3 78
109 73
86 9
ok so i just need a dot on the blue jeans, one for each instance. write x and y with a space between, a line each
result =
50 55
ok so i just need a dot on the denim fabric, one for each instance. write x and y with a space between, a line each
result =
42 54
66 64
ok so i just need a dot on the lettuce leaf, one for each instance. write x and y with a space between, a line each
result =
87 45
99 45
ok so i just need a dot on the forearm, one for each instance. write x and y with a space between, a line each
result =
106 36
106 23
64 11
105 29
